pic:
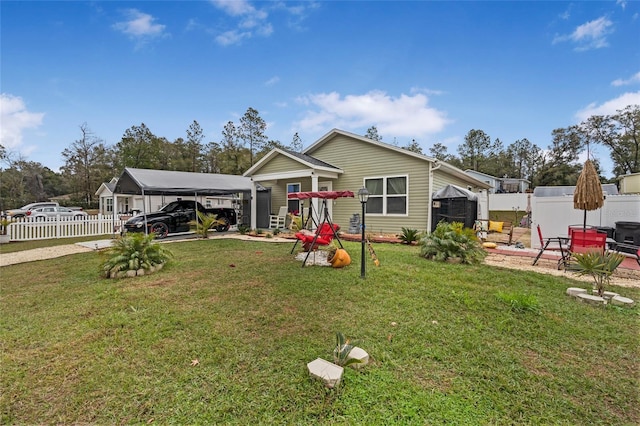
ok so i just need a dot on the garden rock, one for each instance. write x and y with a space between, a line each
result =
359 354
622 301
575 291
591 299
328 372
607 294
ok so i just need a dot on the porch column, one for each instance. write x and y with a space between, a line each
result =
315 201
254 206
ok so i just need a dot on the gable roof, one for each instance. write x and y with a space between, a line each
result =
305 159
156 182
502 179
445 167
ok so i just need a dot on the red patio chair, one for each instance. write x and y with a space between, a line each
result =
550 244
323 236
583 241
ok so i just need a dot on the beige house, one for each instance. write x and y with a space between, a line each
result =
630 184
400 182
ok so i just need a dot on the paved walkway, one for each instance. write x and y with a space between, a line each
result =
43 253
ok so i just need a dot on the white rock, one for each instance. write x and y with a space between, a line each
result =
140 272
591 299
326 371
574 291
359 354
131 273
606 294
622 301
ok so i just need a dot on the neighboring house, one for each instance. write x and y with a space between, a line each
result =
401 182
630 184
503 185
105 199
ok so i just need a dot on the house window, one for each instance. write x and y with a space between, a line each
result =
109 205
387 195
293 205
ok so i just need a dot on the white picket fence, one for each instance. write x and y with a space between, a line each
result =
61 227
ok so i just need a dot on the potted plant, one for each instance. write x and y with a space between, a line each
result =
4 230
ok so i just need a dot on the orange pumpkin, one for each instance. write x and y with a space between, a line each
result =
340 259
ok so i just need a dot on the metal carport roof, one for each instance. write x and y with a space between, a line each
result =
158 182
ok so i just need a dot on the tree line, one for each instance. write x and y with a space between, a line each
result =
89 161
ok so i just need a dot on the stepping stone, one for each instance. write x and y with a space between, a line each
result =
326 371
575 291
591 299
622 301
359 354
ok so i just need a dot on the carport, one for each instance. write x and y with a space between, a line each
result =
147 182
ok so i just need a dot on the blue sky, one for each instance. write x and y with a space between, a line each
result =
429 71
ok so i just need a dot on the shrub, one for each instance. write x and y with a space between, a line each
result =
408 236
452 240
132 252
243 229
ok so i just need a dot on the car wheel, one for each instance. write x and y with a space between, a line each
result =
160 229
225 227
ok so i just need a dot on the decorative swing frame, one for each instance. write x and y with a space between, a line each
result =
326 219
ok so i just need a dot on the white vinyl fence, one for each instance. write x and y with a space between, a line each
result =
62 227
555 214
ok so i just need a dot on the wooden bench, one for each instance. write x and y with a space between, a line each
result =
485 232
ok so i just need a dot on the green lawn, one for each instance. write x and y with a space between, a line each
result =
78 348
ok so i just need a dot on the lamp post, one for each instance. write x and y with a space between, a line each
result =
363 195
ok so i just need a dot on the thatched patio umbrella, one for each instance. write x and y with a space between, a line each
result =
588 194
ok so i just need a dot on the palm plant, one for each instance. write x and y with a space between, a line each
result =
599 265
132 252
205 222
452 240
408 235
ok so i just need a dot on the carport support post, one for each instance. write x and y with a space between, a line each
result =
144 212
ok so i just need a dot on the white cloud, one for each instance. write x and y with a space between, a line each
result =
15 120
592 35
231 37
609 107
251 22
234 7
272 81
622 3
140 26
621 82
428 92
404 116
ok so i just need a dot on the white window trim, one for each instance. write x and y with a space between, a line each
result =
299 190
384 195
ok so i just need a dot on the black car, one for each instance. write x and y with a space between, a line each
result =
176 216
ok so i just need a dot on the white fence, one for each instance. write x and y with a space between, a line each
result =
508 202
60 227
555 214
